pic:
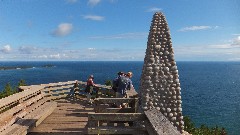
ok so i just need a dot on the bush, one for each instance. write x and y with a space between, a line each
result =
108 83
202 130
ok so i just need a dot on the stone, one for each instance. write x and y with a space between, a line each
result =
160 84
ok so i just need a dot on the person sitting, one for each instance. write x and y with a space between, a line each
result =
76 88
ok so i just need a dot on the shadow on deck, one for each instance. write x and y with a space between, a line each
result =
70 117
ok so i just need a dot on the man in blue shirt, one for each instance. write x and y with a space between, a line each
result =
124 84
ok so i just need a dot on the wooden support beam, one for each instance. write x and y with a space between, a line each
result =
117 130
158 124
114 100
116 116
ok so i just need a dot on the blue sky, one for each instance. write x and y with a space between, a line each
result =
116 30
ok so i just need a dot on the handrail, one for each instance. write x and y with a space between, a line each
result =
19 96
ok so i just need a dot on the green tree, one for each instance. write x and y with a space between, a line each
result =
188 124
8 90
1 95
22 83
108 82
203 129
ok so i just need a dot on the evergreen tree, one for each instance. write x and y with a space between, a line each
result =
108 83
1 95
202 130
8 90
22 83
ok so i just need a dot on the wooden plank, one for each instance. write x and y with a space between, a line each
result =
118 110
5 116
114 100
70 117
15 97
10 116
159 124
31 120
117 130
47 111
63 91
68 87
131 94
116 116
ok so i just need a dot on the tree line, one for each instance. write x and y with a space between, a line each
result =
190 127
9 90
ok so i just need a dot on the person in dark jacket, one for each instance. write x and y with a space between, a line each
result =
115 81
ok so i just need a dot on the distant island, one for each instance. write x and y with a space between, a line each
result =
24 67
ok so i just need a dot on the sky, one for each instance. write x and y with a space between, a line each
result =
116 30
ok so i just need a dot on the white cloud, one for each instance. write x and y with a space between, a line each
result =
91 49
55 56
93 2
6 49
236 42
123 36
27 49
154 9
94 17
233 43
63 29
195 28
42 57
71 1
223 46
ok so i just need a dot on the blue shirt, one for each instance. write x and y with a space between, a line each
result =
124 84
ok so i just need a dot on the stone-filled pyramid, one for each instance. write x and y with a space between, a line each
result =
159 85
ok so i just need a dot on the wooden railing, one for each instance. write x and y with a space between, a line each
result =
27 109
64 89
23 110
126 123
109 105
110 119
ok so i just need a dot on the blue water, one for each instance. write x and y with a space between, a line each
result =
210 90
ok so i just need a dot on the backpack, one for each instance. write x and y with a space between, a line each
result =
123 83
115 84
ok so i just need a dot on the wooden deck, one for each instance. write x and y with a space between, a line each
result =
53 109
70 117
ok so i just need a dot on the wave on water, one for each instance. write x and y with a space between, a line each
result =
24 67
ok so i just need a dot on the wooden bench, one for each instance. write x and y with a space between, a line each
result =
108 119
96 126
24 110
106 105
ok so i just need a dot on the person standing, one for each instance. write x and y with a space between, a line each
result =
115 81
124 84
129 76
89 88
